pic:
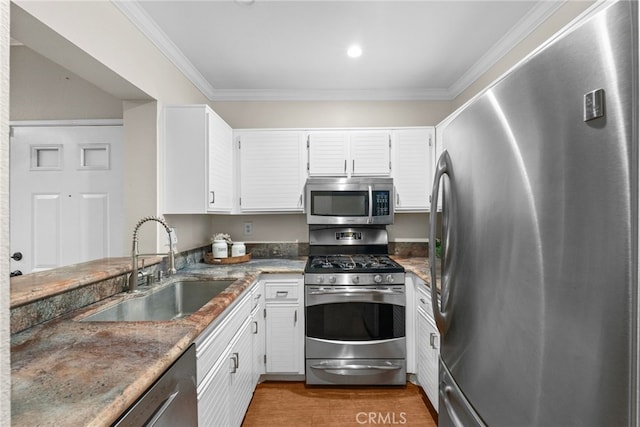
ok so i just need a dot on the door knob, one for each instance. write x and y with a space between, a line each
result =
17 256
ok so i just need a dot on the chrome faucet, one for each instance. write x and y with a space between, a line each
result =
171 269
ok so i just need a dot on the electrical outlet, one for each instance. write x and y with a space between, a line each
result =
248 228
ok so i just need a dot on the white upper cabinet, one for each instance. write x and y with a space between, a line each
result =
272 172
220 197
328 153
346 153
413 174
197 161
370 153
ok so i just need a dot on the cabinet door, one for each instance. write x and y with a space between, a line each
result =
413 171
437 151
220 164
271 171
197 160
370 153
284 347
428 354
258 325
328 153
241 376
213 394
185 159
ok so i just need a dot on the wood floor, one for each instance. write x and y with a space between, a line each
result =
294 404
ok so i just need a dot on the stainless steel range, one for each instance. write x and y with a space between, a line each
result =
354 308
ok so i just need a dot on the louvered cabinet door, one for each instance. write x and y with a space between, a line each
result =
271 171
328 153
370 153
413 171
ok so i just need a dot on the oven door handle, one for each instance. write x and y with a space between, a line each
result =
357 291
353 367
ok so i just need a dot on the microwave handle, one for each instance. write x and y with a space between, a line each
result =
370 205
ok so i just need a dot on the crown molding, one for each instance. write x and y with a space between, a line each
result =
147 26
330 95
139 17
532 20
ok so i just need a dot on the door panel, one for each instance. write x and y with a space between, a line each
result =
67 195
46 231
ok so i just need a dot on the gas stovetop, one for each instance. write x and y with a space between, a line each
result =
359 263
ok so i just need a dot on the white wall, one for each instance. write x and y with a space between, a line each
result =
5 367
43 90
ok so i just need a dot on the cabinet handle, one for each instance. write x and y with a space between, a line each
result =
397 198
432 340
282 293
235 358
353 166
213 197
255 332
422 301
295 317
345 165
300 200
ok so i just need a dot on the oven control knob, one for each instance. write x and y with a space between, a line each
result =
332 279
320 279
389 278
355 279
377 278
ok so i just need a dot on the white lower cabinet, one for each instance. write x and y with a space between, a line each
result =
258 322
427 344
284 324
225 365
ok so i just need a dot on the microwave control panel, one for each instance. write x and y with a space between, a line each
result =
381 202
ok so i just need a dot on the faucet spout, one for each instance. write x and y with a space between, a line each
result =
135 253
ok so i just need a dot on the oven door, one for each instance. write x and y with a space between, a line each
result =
355 322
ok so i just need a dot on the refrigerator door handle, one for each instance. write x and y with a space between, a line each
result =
442 307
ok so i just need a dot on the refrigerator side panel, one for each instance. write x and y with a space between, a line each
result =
541 296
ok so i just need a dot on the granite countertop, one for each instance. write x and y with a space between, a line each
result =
66 372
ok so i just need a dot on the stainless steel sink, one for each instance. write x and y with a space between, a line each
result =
172 301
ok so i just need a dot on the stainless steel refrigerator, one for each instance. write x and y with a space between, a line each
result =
539 179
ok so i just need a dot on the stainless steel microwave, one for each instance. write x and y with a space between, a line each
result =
349 200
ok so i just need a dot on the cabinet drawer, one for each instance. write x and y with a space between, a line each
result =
281 292
211 347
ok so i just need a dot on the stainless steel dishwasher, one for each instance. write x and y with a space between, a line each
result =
171 401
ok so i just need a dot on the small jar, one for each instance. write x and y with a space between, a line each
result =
238 249
219 249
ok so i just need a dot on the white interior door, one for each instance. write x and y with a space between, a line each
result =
66 195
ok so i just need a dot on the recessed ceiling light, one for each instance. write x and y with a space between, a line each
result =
354 51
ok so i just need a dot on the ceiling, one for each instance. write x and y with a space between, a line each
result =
296 49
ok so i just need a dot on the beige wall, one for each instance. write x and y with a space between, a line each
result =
322 114
407 227
43 90
563 16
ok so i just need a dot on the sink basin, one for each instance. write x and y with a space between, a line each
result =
172 301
